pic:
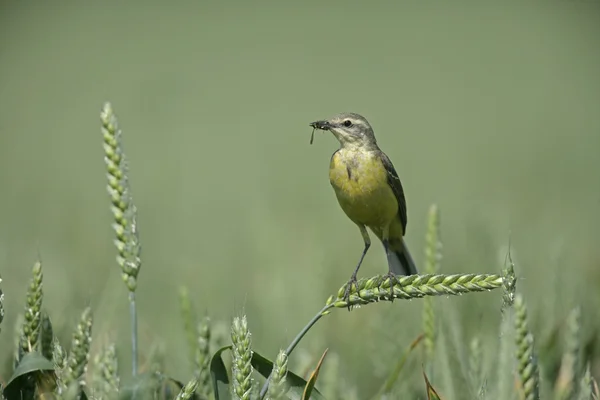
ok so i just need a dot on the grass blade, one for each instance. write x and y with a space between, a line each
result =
431 393
310 385
296 384
219 376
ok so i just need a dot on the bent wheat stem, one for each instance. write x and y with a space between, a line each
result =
377 288
295 342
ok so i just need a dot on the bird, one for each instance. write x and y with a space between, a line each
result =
369 192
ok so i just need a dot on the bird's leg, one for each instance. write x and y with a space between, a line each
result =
391 276
353 280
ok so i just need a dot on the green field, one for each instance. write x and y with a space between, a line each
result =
490 111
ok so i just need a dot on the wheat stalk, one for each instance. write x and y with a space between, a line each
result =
433 256
124 213
189 321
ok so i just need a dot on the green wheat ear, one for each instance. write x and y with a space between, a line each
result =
377 288
203 357
433 256
80 349
123 208
59 358
509 284
33 319
106 373
242 356
188 390
277 385
125 216
526 359
567 383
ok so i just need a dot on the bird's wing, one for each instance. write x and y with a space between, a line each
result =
396 185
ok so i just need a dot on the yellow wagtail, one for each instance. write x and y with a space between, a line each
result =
369 191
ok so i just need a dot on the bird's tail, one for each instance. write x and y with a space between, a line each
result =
400 260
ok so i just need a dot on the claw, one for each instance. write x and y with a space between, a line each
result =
393 279
352 281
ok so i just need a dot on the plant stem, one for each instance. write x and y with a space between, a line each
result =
134 344
295 342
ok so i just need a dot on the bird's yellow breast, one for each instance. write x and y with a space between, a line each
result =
360 182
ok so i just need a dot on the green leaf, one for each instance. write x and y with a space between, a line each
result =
34 374
431 393
312 381
296 384
30 362
82 395
219 376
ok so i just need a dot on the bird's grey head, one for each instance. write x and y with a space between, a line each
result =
350 129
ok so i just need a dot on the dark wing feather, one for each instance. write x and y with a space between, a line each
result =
396 185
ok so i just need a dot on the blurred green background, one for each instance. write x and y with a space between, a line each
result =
492 111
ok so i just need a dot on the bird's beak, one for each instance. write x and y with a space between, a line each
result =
322 125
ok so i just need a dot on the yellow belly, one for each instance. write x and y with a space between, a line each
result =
360 184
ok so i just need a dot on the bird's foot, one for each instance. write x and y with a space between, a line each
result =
393 278
351 281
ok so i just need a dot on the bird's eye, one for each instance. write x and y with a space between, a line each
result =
347 123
